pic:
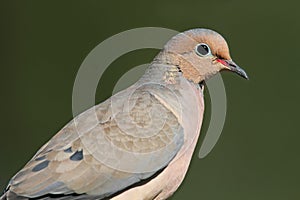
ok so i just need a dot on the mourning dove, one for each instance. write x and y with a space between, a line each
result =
136 145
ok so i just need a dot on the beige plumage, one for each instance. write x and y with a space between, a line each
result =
138 143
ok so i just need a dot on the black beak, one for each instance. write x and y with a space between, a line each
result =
235 68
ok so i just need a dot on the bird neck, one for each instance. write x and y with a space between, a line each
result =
188 70
162 73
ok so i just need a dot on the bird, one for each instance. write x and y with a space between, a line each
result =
137 144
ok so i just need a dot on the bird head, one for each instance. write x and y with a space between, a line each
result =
200 54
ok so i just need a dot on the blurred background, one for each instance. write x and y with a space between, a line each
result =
43 44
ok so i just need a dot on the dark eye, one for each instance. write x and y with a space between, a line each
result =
203 49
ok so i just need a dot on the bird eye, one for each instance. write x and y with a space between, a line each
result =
203 49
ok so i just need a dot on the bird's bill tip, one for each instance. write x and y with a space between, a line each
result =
240 72
232 66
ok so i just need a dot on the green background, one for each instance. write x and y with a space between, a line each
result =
43 44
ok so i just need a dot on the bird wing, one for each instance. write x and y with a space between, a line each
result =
113 145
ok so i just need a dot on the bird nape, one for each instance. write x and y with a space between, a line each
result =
138 143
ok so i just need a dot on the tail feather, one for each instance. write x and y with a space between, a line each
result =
3 197
8 195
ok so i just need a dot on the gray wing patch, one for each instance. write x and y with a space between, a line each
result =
70 165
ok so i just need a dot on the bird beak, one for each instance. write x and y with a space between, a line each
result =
232 66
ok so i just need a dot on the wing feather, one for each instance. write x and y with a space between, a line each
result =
135 122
